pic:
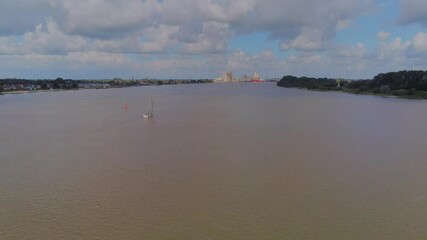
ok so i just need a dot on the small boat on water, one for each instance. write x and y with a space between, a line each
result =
149 114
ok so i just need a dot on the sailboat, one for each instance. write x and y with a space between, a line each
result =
149 114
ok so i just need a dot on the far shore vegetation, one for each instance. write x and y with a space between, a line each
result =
14 85
403 84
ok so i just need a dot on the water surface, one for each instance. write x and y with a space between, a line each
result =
218 161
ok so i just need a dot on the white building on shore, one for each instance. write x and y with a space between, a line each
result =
228 77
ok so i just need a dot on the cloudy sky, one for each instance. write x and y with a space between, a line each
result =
203 38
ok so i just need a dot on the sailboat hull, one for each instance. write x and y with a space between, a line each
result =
147 115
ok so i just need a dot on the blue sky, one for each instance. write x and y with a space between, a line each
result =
99 39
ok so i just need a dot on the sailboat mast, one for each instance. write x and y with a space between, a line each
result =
150 101
149 114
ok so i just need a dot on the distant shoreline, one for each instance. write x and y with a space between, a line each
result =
21 86
403 84
36 91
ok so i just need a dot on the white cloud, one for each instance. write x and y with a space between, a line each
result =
8 45
351 52
420 42
391 54
300 24
394 51
190 37
383 36
50 39
180 67
305 25
92 58
150 40
45 39
159 38
107 19
213 38
73 65
309 39
413 11
265 63
20 16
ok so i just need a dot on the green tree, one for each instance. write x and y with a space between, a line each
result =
385 89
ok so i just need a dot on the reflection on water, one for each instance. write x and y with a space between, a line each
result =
218 161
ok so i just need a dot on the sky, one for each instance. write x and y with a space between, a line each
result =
178 39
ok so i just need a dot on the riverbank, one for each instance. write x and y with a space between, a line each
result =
29 91
421 95
403 84
20 86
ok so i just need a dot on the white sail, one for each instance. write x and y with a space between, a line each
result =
150 106
151 102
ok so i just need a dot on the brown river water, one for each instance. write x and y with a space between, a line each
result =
217 161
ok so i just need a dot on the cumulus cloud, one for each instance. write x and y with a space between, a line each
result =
351 52
73 65
49 39
45 39
203 26
245 63
107 19
185 66
304 25
383 36
309 39
213 38
20 16
394 51
390 54
181 36
420 42
413 11
99 58
150 40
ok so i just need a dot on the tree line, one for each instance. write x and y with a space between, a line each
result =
410 84
15 84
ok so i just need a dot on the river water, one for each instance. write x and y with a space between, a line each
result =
217 161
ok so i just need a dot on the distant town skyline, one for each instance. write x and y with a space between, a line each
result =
180 39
